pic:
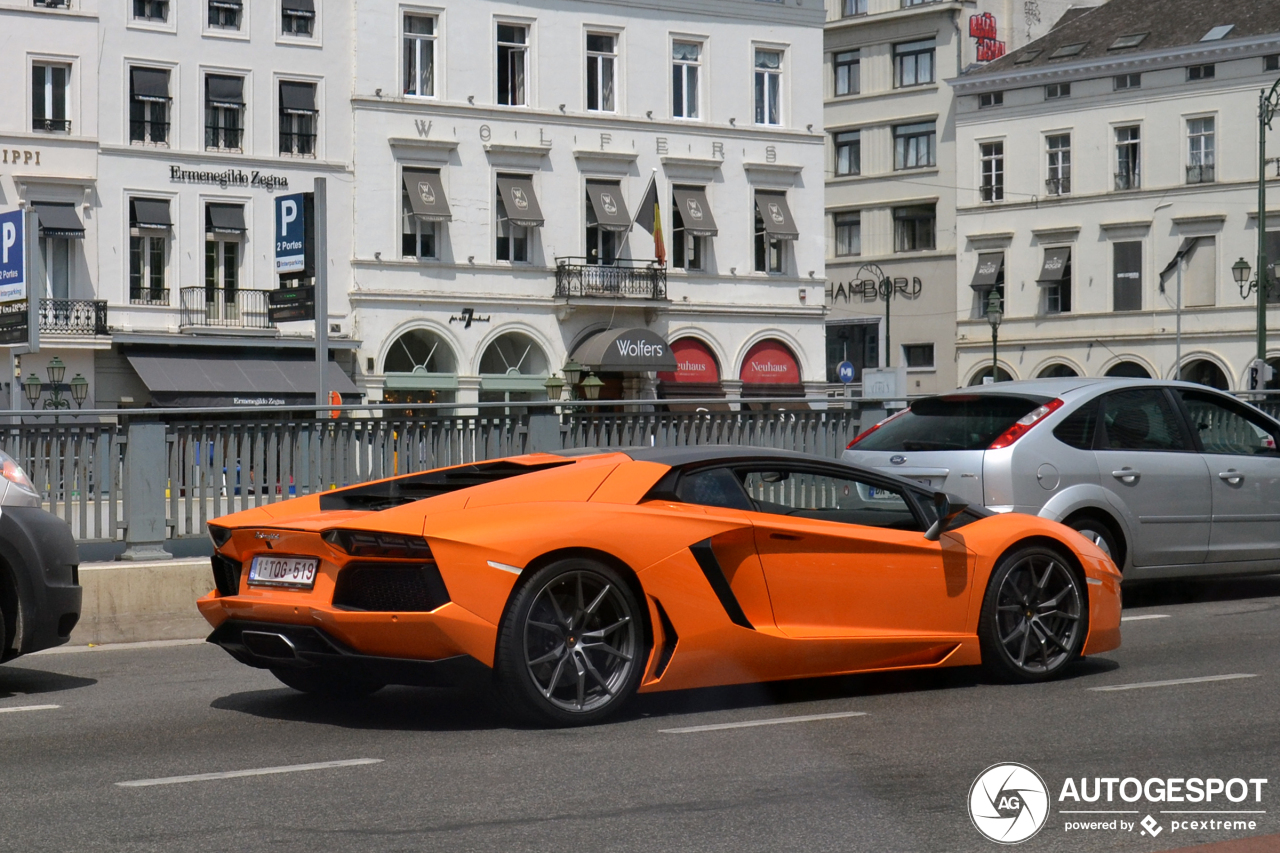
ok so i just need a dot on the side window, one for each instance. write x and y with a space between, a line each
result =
829 497
1078 429
715 487
1227 428
1140 420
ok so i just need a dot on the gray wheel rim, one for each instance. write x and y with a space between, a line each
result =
1038 611
1097 539
580 641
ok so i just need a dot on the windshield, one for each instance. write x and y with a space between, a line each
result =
958 422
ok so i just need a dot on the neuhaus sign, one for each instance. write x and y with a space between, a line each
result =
228 178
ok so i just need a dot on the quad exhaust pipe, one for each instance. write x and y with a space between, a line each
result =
268 644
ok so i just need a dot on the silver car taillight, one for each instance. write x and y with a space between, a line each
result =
1024 424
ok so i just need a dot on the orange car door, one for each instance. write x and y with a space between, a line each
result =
844 557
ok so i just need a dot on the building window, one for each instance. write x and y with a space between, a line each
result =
513 239
420 56
148 251
56 254
51 97
223 112
848 152
149 106
1271 63
686 61
1054 91
770 254
993 171
1128 158
1059 150
1200 163
848 227
769 87
914 145
1200 72
1055 281
225 14
1128 81
601 72
914 227
298 118
513 65
849 8
151 10
990 99
298 18
417 235
917 355
686 248
602 243
913 63
222 252
907 3
848 71
1127 285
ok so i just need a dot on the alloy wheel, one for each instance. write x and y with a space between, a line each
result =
580 641
1038 614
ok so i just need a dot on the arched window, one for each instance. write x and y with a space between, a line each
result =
980 378
513 369
1204 372
420 367
1128 370
1057 371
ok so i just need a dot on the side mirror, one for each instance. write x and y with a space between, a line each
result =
948 509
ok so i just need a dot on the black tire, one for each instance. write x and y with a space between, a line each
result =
1035 615
1097 533
571 646
318 682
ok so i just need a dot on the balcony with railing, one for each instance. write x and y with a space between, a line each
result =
1200 173
223 308
1058 186
73 317
622 279
149 296
1128 180
51 125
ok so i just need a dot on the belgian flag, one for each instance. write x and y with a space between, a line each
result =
649 217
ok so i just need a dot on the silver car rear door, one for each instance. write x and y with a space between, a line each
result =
1148 465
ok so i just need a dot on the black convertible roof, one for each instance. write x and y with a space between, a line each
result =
678 457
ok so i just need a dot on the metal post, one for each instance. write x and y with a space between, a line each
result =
321 226
1177 345
1265 110
995 361
887 285
146 474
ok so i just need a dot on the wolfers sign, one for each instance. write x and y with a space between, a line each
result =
626 351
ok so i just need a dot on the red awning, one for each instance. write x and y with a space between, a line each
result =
696 363
770 363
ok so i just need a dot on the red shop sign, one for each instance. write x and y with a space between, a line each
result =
770 363
696 363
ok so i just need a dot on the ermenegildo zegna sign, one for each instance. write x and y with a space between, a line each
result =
228 178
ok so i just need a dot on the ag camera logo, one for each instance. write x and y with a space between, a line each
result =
1008 803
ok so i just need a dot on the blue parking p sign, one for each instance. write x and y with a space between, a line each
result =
13 283
291 234
844 370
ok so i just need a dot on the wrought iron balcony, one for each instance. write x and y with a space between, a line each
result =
1202 173
1058 186
73 317
623 278
218 306
148 296
51 125
1128 180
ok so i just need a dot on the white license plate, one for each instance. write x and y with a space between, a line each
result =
284 571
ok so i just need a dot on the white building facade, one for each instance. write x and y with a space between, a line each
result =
1089 162
502 151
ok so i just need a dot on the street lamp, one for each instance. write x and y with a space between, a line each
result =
79 390
995 316
56 371
31 389
591 387
555 388
572 373
1267 105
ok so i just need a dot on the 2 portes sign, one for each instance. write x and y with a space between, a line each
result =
14 317
295 259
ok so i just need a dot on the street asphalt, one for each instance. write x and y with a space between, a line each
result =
451 774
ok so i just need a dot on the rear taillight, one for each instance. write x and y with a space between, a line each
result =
867 432
1025 423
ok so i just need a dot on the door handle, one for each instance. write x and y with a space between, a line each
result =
1232 476
1126 475
786 537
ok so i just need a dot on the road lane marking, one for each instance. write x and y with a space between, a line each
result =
775 721
1201 679
18 708
111 647
1144 617
1217 811
236 774
1096 811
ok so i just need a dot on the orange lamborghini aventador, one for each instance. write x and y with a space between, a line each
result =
575 580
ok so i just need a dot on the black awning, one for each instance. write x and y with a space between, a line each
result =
989 271
520 202
426 195
695 212
221 90
626 351
298 7
610 209
149 213
59 220
1188 247
1056 264
224 218
778 222
212 380
227 4
297 97
149 84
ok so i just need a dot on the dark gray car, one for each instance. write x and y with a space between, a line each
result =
1170 478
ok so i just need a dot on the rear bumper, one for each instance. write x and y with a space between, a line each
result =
272 645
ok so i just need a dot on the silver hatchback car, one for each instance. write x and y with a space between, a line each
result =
1169 478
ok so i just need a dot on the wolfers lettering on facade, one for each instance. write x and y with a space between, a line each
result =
639 349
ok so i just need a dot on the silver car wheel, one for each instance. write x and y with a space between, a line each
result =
1038 610
1097 538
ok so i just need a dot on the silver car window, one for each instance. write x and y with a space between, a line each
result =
1140 419
1226 427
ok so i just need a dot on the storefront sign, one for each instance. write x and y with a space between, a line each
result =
694 363
229 178
13 282
20 156
770 363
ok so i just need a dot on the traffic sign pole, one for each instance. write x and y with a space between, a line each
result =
322 295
